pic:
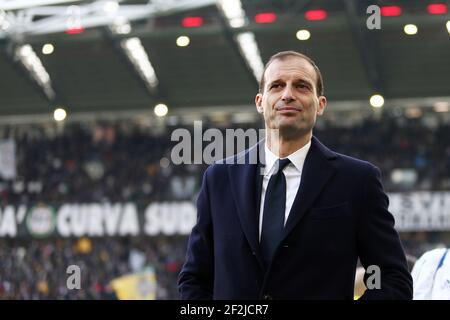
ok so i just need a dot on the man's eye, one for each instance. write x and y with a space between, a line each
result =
274 86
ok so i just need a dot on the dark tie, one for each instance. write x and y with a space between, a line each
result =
273 212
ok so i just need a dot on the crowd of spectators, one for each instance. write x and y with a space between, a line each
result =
37 269
398 143
124 161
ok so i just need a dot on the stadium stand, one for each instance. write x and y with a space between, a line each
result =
121 161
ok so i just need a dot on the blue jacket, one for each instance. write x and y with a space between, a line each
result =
340 213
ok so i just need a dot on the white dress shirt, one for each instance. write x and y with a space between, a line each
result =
293 174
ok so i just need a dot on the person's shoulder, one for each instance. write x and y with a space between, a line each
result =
434 254
342 161
354 162
357 170
354 166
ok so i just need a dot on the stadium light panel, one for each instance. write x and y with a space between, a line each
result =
391 11
249 48
33 64
314 15
265 17
192 22
76 30
139 58
437 8
232 9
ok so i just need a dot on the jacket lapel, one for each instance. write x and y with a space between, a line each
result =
246 181
317 170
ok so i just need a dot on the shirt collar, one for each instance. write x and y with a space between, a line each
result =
297 158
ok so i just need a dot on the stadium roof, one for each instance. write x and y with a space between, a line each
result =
90 70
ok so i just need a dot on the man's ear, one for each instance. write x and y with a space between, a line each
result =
258 103
322 105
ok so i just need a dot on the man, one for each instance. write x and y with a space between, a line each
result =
297 232
431 275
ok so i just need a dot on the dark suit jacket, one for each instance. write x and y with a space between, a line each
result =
340 213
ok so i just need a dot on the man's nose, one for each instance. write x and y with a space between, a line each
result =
287 95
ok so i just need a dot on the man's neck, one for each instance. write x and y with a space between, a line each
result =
282 146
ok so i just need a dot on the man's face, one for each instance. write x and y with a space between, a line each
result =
289 101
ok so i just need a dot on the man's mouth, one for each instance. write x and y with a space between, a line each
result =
287 109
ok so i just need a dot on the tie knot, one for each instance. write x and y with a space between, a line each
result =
283 163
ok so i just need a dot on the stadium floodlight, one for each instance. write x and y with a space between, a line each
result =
249 48
235 15
410 29
33 64
59 114
161 110
303 35
183 41
138 56
376 101
232 9
48 48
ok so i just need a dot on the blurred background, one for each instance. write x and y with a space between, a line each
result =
91 92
